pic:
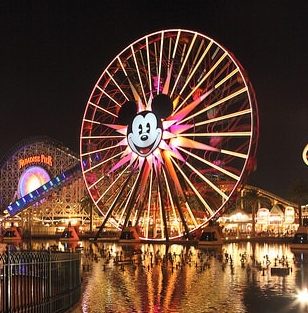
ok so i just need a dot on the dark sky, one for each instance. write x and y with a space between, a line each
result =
52 53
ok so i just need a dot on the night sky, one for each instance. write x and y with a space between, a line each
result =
53 52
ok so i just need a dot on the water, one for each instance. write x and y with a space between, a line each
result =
236 278
157 278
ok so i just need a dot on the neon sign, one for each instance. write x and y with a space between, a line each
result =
45 159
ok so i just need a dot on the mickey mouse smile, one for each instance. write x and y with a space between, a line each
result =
144 131
143 151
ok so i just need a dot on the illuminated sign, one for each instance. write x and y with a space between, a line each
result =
45 159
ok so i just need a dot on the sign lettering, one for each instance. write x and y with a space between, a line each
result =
45 159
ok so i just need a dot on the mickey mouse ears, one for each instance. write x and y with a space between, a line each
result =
127 112
161 105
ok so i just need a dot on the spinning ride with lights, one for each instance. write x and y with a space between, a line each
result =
168 135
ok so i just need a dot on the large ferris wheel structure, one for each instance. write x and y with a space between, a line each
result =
169 134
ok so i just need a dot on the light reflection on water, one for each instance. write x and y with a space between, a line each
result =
234 279
184 279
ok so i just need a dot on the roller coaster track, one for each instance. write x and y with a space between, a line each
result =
270 195
43 191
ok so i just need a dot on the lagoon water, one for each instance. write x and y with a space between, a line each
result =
158 278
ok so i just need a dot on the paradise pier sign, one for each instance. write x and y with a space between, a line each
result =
42 158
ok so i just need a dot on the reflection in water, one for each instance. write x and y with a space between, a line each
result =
159 278
18 245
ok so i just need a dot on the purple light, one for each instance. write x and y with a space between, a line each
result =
32 178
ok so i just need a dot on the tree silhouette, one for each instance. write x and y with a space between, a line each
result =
87 205
251 198
299 195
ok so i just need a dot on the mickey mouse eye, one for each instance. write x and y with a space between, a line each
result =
140 129
148 127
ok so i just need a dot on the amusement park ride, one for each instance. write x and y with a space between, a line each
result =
41 186
168 136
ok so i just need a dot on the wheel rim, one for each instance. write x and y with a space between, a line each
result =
207 142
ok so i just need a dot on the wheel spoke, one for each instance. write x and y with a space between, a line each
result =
101 163
196 67
149 65
138 72
229 97
183 64
224 117
216 167
194 189
99 150
149 205
226 134
202 80
172 203
103 137
102 109
110 186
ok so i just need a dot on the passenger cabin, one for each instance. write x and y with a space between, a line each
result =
69 234
12 233
211 236
129 234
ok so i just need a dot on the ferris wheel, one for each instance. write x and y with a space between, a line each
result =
168 134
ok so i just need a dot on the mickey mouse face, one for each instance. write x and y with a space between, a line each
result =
144 131
144 135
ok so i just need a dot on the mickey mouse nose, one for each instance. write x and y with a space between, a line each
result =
144 137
